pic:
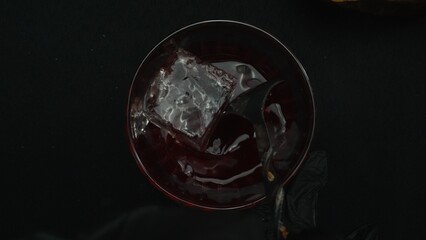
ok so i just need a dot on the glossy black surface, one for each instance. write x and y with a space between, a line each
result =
66 68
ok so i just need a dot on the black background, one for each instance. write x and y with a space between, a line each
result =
66 68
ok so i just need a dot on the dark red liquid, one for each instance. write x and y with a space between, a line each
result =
227 171
225 178
217 178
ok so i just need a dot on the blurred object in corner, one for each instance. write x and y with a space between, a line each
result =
383 7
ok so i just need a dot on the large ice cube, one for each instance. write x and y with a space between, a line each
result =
188 94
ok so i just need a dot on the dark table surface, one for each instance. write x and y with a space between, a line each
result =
66 68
